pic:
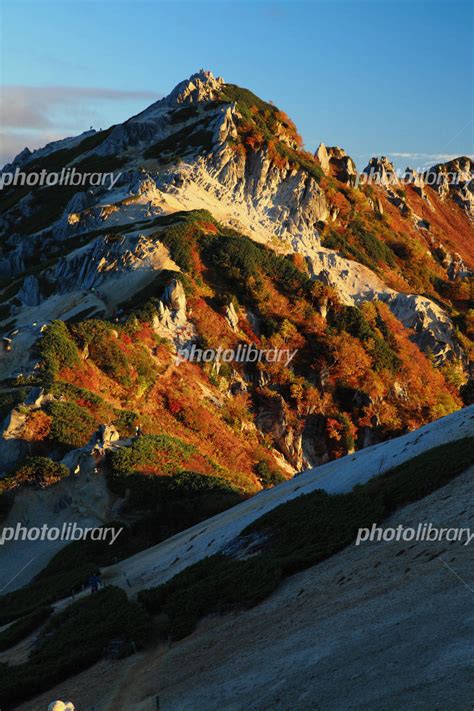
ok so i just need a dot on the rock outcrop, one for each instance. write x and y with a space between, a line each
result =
61 706
382 172
231 316
322 157
315 449
202 86
113 266
343 166
272 419
454 179
433 330
29 294
175 298
185 152
334 160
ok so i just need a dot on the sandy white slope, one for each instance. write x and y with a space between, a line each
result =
383 626
159 563
82 499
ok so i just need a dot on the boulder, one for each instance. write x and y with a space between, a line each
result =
231 316
381 171
272 419
61 706
342 165
433 330
315 449
108 434
322 156
103 437
174 297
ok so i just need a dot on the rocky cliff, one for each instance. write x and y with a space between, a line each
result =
366 240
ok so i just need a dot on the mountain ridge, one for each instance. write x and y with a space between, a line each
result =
213 146
220 234
272 201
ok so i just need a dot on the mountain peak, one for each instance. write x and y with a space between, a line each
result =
201 86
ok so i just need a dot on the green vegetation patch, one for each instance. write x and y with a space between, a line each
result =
173 503
22 628
180 235
245 99
267 475
74 640
57 350
302 160
360 244
150 451
376 250
9 400
242 261
340 243
40 471
214 585
71 426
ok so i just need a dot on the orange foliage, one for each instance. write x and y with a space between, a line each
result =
447 222
300 262
213 327
341 203
334 429
290 127
208 227
254 140
37 427
353 363
89 377
277 158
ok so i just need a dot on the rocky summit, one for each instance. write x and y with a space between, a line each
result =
217 226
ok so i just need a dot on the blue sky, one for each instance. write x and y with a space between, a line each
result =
373 76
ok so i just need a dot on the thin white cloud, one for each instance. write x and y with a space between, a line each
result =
417 161
426 156
34 106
